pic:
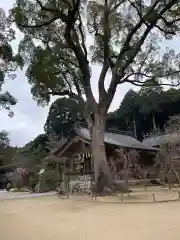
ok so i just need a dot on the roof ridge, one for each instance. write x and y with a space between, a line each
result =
108 130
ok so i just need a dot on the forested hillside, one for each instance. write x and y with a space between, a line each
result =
30 156
146 111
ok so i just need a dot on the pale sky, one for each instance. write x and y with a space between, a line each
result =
29 118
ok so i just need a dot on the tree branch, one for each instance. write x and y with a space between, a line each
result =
165 31
82 36
158 76
141 83
116 78
106 31
126 45
81 57
170 23
158 27
57 93
106 63
133 52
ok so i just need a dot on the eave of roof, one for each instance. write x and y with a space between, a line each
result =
161 139
116 139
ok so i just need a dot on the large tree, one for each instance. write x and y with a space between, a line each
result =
123 36
8 61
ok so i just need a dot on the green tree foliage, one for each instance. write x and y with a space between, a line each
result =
63 113
162 105
149 97
4 139
128 106
33 153
6 151
50 180
4 144
8 61
125 42
173 123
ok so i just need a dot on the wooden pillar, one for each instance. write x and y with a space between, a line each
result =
126 169
59 173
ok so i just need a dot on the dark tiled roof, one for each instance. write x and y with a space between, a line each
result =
161 139
115 139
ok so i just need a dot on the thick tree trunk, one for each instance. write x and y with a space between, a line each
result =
103 175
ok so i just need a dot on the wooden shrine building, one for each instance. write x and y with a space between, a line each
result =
75 153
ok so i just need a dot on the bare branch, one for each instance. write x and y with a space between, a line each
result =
106 31
141 83
106 64
150 78
159 76
133 52
76 47
172 32
170 23
134 30
102 91
116 78
82 36
165 31
136 8
83 62
63 93
56 93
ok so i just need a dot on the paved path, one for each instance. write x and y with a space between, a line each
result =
16 195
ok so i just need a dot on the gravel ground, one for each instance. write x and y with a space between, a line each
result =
48 218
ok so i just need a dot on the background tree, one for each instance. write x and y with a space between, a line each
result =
32 157
8 61
4 139
173 124
128 110
125 36
165 105
6 151
33 153
149 97
63 113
